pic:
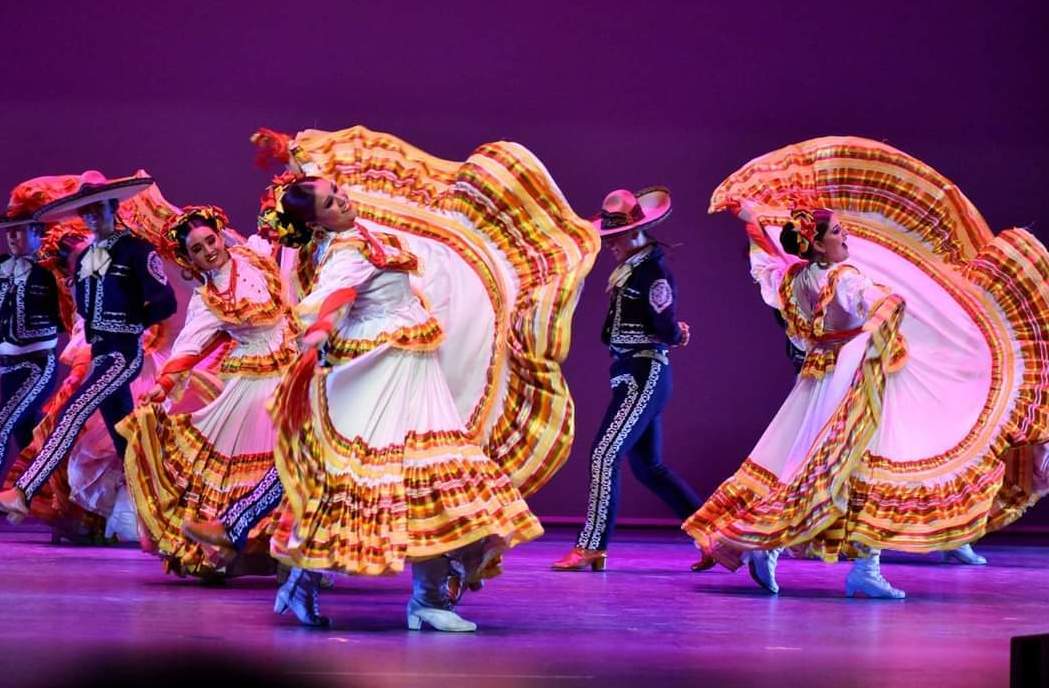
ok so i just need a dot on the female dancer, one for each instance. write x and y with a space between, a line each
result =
914 431
415 451
191 465
372 453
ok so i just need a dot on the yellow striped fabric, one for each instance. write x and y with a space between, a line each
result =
173 474
988 479
518 224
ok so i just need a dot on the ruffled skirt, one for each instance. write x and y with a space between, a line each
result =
195 465
929 430
384 472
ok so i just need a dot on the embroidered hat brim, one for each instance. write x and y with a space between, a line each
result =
89 194
655 207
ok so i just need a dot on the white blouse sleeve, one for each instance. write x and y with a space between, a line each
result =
856 294
259 245
768 264
342 268
768 270
200 326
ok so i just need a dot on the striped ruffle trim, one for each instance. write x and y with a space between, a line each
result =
1013 272
174 473
517 222
261 365
861 176
425 336
369 511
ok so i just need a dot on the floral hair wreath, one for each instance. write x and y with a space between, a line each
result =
806 219
271 222
171 249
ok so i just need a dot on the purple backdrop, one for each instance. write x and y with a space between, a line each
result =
608 94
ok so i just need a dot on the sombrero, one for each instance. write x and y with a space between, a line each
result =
89 194
624 210
10 222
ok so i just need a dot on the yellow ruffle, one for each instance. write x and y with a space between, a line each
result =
173 473
387 506
522 224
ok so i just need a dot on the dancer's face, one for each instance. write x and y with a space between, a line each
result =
22 240
99 218
206 249
834 246
331 206
624 244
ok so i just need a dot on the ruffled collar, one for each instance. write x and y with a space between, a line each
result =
233 308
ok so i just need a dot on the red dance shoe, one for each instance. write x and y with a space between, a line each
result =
579 559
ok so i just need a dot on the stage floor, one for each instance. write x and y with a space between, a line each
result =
647 620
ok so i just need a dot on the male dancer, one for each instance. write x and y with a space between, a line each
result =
639 330
29 325
121 290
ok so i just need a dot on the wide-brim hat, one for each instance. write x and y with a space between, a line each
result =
89 194
7 222
624 210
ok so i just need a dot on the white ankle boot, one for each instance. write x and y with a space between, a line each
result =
438 619
762 565
965 555
299 595
431 601
865 578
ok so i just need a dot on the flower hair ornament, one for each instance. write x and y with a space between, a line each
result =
805 224
272 222
172 250
806 220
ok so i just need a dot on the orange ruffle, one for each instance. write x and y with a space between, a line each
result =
426 336
430 496
173 473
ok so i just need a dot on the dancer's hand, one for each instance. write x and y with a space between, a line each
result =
686 334
746 210
155 395
314 338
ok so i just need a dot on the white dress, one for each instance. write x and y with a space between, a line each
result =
502 261
195 465
916 420
384 470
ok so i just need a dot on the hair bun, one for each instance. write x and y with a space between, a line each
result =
292 233
788 237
